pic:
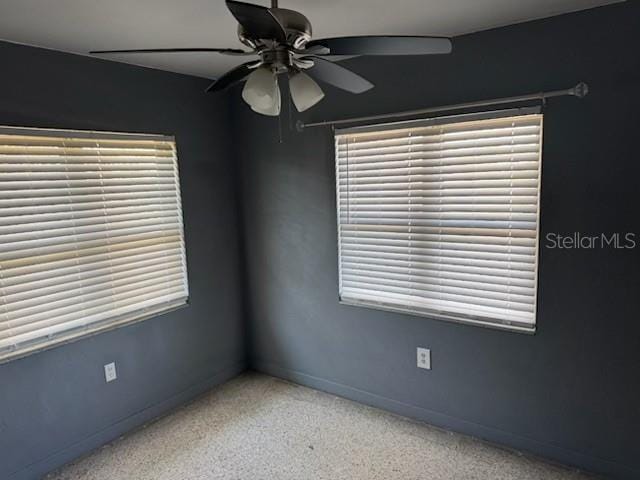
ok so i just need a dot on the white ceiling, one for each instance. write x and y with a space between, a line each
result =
82 25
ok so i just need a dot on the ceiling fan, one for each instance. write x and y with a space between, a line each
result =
281 39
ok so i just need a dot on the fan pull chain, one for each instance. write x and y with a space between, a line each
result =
289 111
280 128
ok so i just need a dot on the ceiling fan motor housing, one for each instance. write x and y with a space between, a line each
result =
296 26
280 59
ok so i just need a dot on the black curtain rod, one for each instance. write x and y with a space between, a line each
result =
580 91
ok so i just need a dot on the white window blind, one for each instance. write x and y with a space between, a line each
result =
90 234
440 217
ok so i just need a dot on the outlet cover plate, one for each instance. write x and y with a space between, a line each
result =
110 372
424 358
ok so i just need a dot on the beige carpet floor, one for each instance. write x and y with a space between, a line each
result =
258 427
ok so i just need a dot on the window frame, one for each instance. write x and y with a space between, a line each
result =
435 314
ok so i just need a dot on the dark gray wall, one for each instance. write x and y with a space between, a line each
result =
55 405
572 391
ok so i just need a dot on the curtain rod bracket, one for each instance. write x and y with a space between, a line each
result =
580 90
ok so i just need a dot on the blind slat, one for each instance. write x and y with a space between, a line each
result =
102 315
506 279
394 258
22 291
462 267
107 286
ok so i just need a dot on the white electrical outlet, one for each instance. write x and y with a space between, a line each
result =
110 372
424 358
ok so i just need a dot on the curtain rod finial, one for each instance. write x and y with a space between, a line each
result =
580 90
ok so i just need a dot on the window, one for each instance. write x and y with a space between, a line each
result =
90 234
440 217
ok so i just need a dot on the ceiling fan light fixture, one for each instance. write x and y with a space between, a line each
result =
261 92
272 110
305 92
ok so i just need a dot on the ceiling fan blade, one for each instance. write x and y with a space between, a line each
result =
229 51
314 50
339 58
257 21
324 52
338 76
385 45
232 76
